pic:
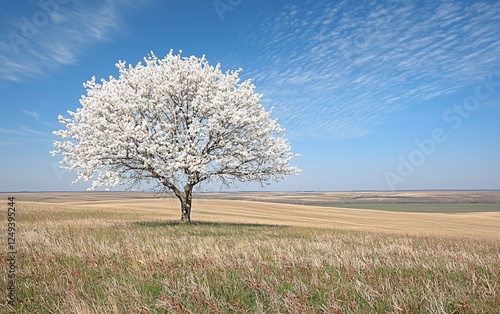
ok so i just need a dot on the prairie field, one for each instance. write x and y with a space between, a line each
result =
408 252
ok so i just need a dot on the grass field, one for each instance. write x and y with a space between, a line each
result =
129 255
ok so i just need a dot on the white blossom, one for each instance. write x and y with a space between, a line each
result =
176 120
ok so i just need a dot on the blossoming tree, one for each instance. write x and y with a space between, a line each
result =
176 121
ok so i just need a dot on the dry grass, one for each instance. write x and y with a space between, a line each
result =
130 256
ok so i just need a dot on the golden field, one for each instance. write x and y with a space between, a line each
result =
304 209
429 252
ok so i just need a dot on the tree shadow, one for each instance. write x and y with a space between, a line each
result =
178 223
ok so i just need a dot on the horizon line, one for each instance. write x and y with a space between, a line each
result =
257 191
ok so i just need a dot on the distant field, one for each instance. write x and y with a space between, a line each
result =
342 198
427 208
479 216
99 253
300 198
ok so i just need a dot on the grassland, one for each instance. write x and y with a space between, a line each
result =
96 255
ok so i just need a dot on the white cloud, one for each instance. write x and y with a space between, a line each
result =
25 131
29 131
60 39
32 114
9 131
338 69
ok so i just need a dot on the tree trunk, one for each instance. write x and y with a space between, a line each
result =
186 198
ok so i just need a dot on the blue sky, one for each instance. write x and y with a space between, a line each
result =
374 95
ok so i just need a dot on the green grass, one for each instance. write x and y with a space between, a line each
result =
123 262
427 208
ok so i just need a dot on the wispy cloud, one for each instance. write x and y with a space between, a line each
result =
23 134
39 132
29 131
11 132
32 114
7 143
338 68
46 39
24 131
